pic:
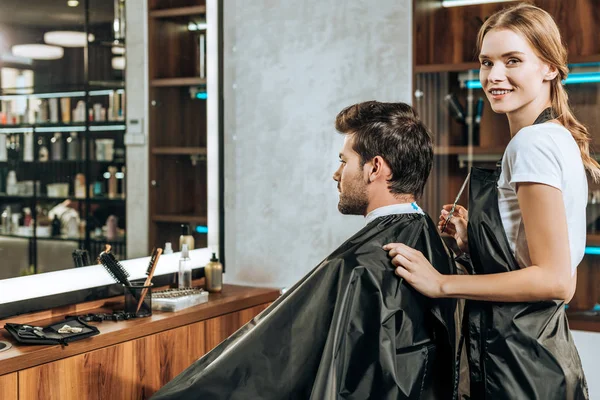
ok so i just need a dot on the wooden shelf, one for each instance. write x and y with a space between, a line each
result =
171 82
181 218
460 150
446 67
178 12
592 240
179 151
582 321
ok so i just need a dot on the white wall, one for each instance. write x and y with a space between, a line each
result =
290 67
588 345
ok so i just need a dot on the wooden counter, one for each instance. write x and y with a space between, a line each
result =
128 359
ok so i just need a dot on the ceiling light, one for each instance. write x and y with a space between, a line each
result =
38 51
118 50
67 38
458 3
118 63
72 3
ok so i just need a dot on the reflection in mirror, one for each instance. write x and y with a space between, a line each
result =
62 113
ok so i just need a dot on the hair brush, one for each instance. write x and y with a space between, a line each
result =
114 267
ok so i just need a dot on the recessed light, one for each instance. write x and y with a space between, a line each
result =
118 63
67 38
38 51
72 3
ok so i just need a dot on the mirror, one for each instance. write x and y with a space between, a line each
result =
62 127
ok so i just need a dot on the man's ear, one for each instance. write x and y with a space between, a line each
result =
378 168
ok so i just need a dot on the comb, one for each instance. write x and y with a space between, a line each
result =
150 272
114 267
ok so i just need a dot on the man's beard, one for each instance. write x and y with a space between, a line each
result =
353 200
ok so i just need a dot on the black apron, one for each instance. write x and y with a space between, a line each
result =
515 350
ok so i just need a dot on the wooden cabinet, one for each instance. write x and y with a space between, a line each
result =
131 370
129 359
178 120
8 386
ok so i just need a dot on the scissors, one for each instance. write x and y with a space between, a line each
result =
462 188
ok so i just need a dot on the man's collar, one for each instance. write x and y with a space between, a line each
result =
401 208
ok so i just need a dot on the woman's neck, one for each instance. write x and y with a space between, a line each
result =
525 116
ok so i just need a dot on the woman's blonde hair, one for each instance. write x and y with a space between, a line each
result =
540 30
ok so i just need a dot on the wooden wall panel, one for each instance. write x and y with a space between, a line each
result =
448 35
9 387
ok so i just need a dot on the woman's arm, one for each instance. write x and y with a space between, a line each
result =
549 277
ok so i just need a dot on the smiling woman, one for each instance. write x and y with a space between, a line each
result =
524 268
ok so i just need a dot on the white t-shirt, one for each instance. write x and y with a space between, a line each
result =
543 153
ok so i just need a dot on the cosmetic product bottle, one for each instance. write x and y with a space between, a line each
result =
6 220
56 226
184 279
53 107
43 150
80 186
213 273
65 109
56 147
111 228
123 184
72 147
112 182
28 147
11 183
27 219
168 248
3 148
186 238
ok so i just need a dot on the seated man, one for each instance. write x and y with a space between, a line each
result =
350 328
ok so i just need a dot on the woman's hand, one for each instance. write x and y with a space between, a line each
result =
457 226
415 269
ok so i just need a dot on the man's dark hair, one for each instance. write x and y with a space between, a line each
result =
394 132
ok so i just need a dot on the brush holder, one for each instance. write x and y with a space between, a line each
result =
133 295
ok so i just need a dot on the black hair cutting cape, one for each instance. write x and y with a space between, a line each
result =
349 329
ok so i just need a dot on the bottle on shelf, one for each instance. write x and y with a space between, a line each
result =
56 147
6 219
56 226
213 274
80 186
168 248
3 148
112 182
28 147
184 279
186 238
11 183
43 150
72 147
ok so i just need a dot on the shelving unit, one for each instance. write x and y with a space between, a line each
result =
178 120
441 60
89 80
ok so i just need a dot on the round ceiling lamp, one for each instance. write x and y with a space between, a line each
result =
67 38
118 50
38 51
118 63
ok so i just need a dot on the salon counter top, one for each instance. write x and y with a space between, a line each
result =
233 298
